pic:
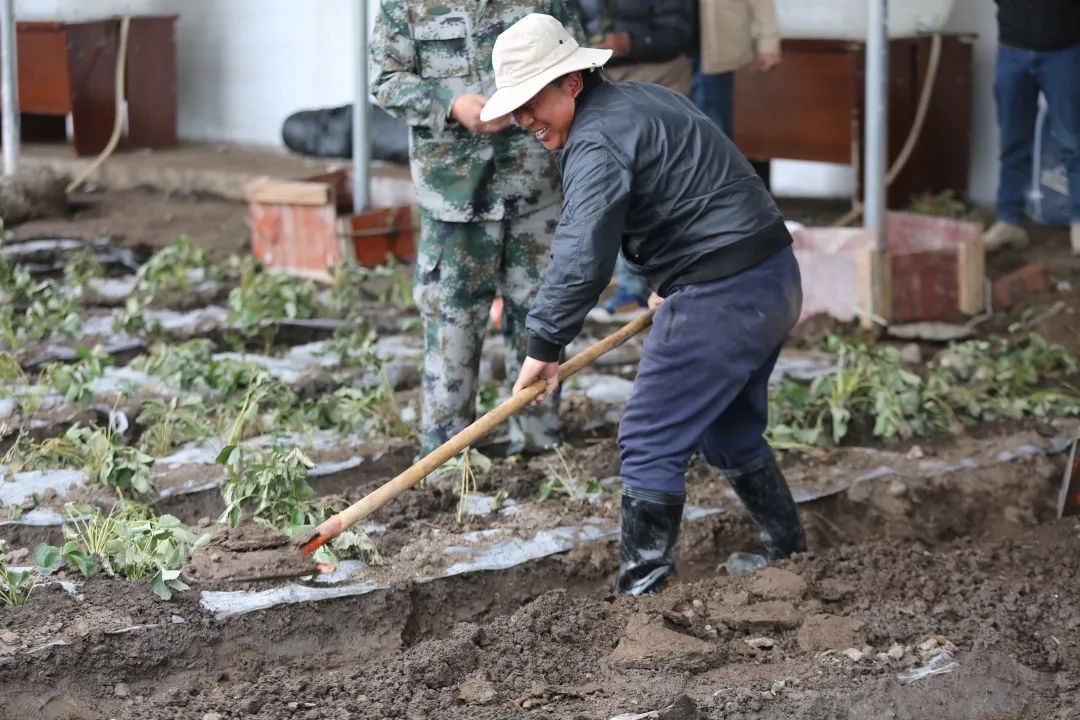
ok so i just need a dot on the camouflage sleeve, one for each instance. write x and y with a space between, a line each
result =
396 82
559 10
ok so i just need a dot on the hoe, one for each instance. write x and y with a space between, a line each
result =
279 557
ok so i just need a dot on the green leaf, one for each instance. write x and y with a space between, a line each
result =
47 559
82 561
159 587
225 455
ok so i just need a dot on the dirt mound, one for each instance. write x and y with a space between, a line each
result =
248 552
35 193
824 636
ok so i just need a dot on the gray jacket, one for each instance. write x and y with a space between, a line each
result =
645 169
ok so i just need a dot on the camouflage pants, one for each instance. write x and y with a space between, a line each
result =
460 269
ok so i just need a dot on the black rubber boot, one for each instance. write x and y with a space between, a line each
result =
650 529
767 497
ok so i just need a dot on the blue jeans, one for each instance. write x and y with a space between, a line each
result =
1019 75
715 96
703 378
627 281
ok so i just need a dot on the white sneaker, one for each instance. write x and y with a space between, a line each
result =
1002 234
1076 238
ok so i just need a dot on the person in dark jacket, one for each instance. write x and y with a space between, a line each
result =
1038 51
645 171
648 40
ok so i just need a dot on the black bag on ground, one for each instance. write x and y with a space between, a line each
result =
328 133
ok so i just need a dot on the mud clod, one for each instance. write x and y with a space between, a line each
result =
827 632
245 553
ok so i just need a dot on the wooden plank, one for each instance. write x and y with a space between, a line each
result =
44 83
802 109
971 277
288 192
874 280
92 51
151 83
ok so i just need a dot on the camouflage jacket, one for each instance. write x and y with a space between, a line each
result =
426 53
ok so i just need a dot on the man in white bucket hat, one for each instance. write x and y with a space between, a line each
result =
644 170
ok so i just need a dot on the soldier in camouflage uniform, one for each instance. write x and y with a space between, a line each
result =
489 198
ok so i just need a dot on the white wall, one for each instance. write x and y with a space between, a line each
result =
980 17
243 65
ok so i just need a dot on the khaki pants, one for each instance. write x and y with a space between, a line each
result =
674 74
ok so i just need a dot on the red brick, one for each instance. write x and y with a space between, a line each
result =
910 232
924 286
1031 279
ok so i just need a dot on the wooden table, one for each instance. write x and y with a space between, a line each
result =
811 107
69 68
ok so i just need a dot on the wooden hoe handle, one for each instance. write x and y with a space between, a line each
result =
359 510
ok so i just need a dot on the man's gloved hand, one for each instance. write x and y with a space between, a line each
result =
654 301
466 110
533 370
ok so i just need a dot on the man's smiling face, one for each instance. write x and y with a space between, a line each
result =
549 115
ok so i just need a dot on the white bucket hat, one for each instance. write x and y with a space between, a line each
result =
528 55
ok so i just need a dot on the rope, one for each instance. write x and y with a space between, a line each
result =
118 122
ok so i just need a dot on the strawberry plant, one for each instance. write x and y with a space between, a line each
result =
73 380
170 270
263 297
467 465
50 558
969 382
173 422
129 542
15 585
100 454
35 309
269 487
565 480
352 410
11 373
81 267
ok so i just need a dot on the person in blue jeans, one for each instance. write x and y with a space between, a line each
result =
644 171
1038 50
732 34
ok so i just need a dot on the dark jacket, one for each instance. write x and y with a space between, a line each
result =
1043 25
645 169
659 30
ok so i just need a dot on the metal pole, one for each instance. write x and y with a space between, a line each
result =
10 80
360 141
877 105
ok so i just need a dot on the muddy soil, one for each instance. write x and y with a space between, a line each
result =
902 567
823 636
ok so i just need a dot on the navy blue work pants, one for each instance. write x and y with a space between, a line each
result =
703 378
